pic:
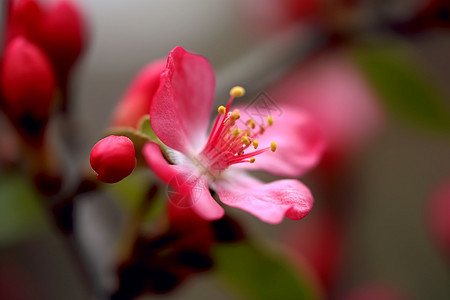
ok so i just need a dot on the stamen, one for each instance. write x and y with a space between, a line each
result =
261 129
245 140
236 132
235 115
222 110
255 143
251 123
227 144
273 146
237 91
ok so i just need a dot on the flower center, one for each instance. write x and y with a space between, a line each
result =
228 144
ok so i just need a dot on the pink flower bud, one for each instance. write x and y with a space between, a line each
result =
136 102
23 19
26 80
113 158
62 36
58 30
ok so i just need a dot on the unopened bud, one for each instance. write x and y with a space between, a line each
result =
26 80
62 35
113 158
136 102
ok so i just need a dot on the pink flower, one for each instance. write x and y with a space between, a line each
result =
113 158
136 102
278 14
179 114
332 90
281 14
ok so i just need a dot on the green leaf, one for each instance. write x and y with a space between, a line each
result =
403 86
257 273
21 215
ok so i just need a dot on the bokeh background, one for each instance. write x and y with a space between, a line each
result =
384 188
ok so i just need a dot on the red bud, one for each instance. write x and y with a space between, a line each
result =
24 19
58 30
26 80
113 158
62 35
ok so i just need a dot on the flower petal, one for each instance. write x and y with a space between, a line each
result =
269 202
186 188
299 142
182 105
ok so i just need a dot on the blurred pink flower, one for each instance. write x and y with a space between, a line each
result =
438 216
271 15
277 13
136 102
179 114
332 90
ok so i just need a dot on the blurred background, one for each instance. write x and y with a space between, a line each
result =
375 75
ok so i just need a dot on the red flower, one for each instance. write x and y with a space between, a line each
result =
113 158
26 80
179 114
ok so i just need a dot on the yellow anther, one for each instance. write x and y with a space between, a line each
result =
251 123
237 91
247 132
222 110
252 160
245 140
273 146
236 132
255 143
261 129
270 120
235 115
